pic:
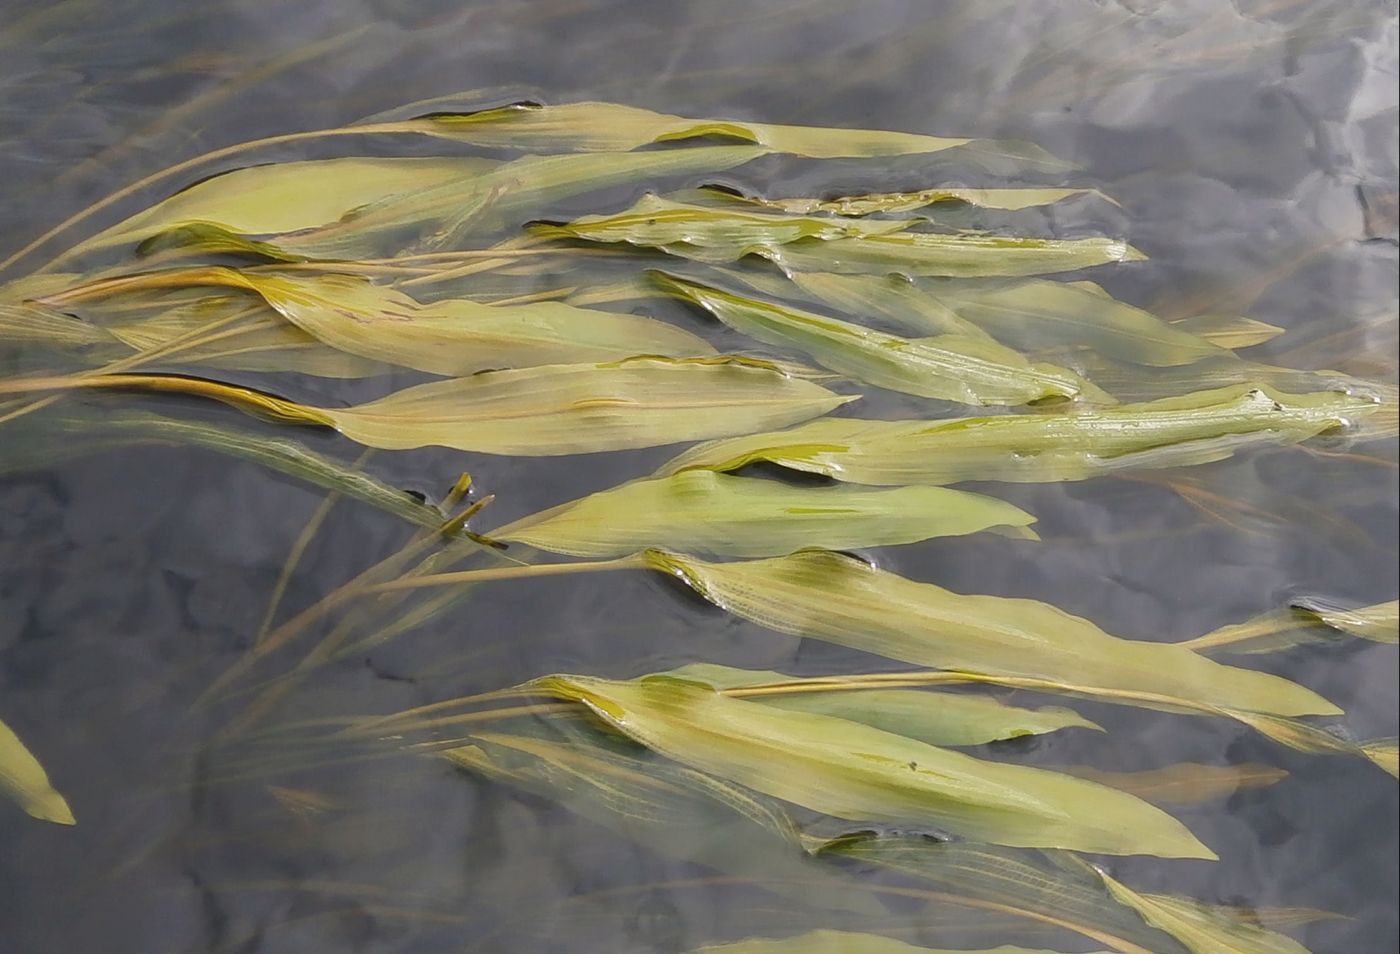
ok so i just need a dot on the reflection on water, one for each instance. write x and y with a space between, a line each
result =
1252 148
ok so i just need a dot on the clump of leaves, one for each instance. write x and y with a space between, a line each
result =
462 269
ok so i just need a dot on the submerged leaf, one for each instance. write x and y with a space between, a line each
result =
843 600
1229 331
956 368
700 511
853 771
1201 928
1185 783
1023 883
1075 444
24 780
41 440
939 718
592 126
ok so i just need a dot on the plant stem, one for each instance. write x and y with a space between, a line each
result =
633 562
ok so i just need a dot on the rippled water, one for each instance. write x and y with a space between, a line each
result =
1252 146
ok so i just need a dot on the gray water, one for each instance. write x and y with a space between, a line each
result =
1252 146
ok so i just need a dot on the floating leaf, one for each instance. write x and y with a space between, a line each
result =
949 255
1023 883
843 942
700 511
27 324
1075 444
452 337
853 771
534 412
655 222
1201 928
939 718
1304 623
598 127
439 215
1385 753
1009 199
956 368
24 779
1186 783
843 600
290 196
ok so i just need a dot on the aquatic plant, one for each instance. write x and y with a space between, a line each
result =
764 317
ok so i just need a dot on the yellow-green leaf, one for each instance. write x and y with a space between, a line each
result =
856 772
1201 928
704 512
949 255
1009 199
939 718
1306 622
655 222
1074 444
291 196
1028 314
23 779
955 368
840 599
602 127
1229 331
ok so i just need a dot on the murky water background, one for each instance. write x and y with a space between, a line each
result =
1253 148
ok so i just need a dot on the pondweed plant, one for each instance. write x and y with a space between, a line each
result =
459 267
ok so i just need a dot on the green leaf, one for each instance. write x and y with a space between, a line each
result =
600 127
853 771
955 368
948 255
290 196
729 234
938 718
843 942
1027 884
1074 444
700 511
450 337
1029 314
1305 623
24 780
1201 928
1009 199
843 600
